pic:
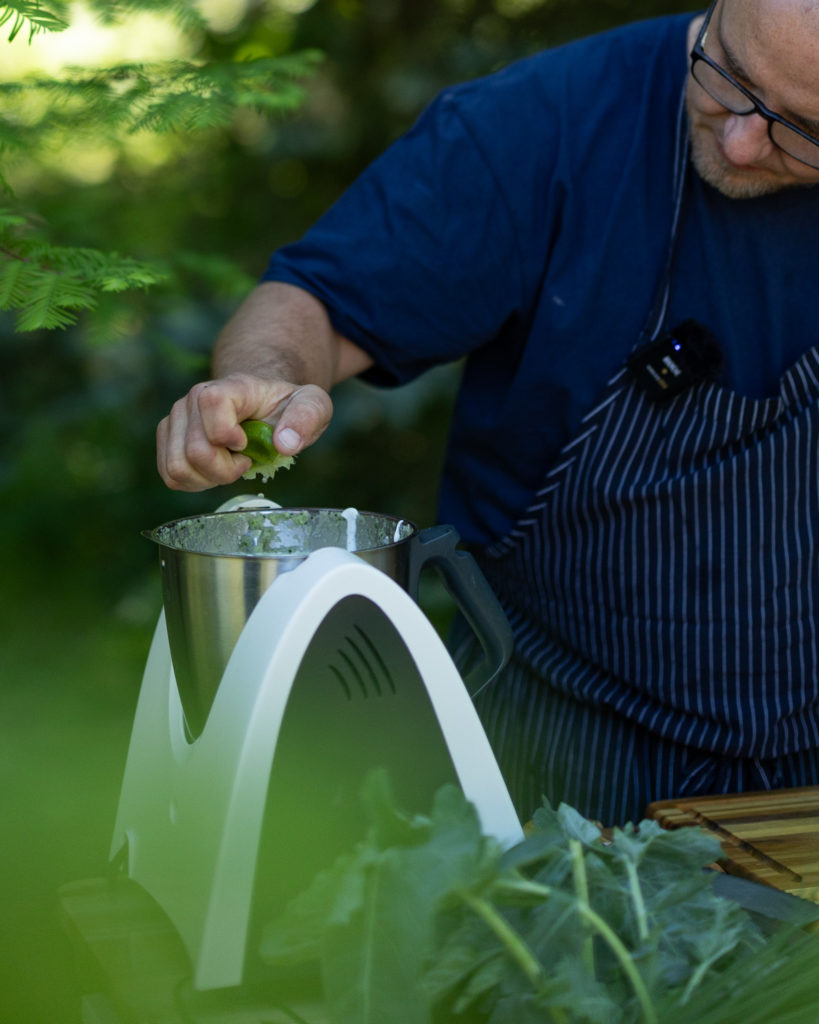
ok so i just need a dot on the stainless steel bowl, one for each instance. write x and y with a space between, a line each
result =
216 567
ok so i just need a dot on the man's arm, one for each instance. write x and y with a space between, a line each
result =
276 360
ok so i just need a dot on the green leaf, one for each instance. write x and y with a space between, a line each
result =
391 825
336 894
575 826
707 946
463 968
569 995
33 15
438 922
122 276
49 283
775 984
8 220
162 96
372 965
183 12
51 301
15 279
376 910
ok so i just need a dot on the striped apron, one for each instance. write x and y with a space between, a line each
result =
663 588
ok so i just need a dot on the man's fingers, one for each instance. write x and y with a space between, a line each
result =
302 419
220 406
199 441
187 458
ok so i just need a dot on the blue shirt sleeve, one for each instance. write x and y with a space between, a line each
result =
418 262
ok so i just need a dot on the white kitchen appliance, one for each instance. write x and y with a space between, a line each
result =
336 671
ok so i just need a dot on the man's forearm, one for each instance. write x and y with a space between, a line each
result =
276 360
281 332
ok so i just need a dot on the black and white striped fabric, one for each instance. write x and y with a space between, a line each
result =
664 590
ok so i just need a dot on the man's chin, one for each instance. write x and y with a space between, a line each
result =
731 181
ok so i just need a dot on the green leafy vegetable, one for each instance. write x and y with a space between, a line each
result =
428 921
267 461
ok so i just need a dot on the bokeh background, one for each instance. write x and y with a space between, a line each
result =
79 586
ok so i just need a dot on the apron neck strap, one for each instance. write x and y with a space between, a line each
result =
656 318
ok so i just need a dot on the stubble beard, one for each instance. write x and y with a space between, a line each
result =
717 172
733 184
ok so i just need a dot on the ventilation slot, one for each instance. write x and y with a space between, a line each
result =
360 670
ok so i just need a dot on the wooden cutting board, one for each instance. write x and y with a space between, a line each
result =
770 837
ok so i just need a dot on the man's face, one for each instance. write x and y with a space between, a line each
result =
772 48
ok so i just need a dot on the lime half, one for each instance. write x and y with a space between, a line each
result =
260 450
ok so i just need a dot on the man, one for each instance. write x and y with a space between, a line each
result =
618 236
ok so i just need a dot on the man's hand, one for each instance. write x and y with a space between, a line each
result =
199 441
279 334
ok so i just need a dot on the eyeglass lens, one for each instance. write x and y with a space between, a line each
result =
728 96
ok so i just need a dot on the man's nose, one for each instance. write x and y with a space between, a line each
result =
745 139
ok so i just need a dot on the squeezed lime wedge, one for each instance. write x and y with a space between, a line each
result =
267 461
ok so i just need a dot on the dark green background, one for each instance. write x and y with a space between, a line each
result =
78 410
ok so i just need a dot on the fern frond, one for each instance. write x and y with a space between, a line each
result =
193 97
52 17
52 300
105 271
181 111
119 275
183 12
9 220
48 284
16 277
34 15
167 96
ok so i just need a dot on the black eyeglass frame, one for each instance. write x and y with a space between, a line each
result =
757 106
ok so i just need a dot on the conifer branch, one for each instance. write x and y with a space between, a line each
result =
166 96
184 12
47 285
34 15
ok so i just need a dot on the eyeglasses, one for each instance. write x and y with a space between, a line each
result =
735 97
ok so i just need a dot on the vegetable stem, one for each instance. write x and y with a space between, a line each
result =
623 955
581 886
606 933
518 885
517 948
637 900
514 944
695 979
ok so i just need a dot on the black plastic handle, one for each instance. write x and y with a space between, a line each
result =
437 547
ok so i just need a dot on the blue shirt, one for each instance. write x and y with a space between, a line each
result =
523 223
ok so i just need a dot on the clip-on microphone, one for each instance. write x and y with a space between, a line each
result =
678 359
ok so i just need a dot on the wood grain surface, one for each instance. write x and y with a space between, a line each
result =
770 837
